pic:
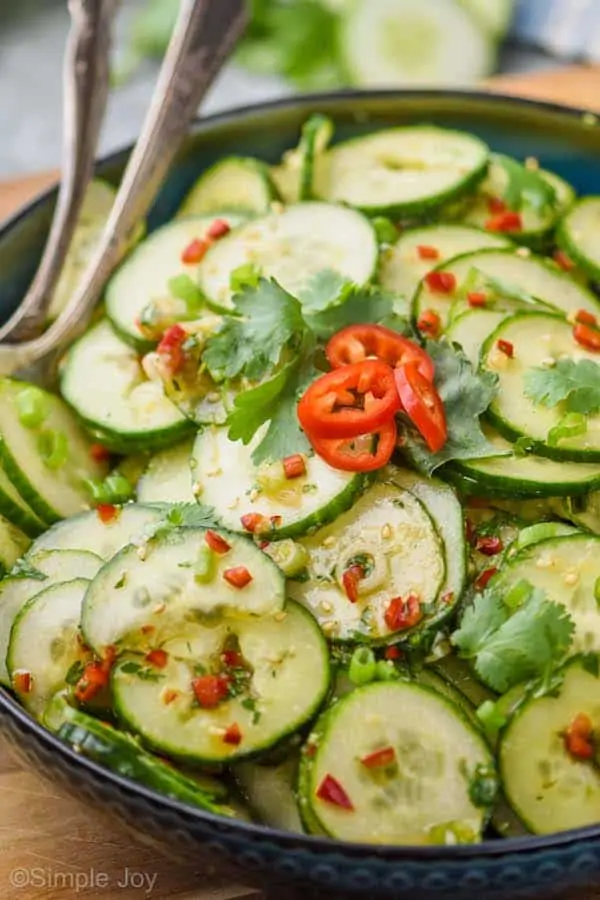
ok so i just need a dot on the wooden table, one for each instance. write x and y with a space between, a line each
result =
47 838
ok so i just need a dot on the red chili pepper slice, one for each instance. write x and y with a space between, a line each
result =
423 405
477 299
294 466
157 658
170 696
99 453
430 324
210 690
331 791
358 342
170 348
92 682
484 578
379 759
424 251
403 613
218 229
354 399
254 522
489 546
232 659
365 453
440 282
496 205
505 221
579 737
233 735
350 581
194 252
506 347
22 682
587 337
238 577
584 317
216 543
563 260
392 653
107 512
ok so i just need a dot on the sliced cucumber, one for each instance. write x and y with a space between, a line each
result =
143 280
518 274
88 530
270 792
42 570
286 178
493 15
236 183
424 795
431 679
578 235
44 643
395 42
317 133
226 479
13 544
402 267
48 464
472 328
536 338
168 476
567 569
526 475
288 678
541 531
391 535
14 508
124 755
291 246
446 512
550 789
582 511
103 380
170 580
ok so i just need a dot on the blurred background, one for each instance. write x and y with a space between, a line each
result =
291 45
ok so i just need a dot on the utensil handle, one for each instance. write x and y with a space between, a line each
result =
86 87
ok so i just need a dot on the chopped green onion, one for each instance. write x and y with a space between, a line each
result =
522 446
597 591
246 275
204 567
114 489
518 594
540 532
363 666
452 833
386 231
385 670
491 718
32 407
182 287
291 557
571 425
53 447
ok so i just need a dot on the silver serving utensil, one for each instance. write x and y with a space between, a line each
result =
86 80
204 35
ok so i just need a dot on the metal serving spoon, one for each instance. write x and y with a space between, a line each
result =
86 80
204 35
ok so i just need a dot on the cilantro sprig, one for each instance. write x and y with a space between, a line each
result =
525 187
575 384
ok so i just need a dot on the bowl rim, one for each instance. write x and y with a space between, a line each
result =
487 849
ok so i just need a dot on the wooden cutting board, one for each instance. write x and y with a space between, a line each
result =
53 846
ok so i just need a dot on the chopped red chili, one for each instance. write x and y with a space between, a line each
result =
254 523
440 282
294 466
210 690
506 347
107 512
584 317
476 299
489 546
216 543
171 349
429 323
233 735
350 580
496 205
92 682
194 252
331 791
218 229
587 337
448 597
505 221
563 260
426 252
392 653
238 577
232 658
484 578
22 682
379 759
99 453
403 613
170 696
579 737
157 658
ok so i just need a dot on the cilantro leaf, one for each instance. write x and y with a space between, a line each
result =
576 383
268 319
466 395
508 648
180 515
324 290
525 187
355 306
254 407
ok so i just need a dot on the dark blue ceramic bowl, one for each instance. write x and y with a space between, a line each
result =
565 140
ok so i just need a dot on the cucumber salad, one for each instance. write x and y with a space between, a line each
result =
307 531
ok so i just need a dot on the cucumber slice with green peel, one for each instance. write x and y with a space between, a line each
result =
493 15
236 183
44 642
511 277
103 381
526 475
402 267
584 511
472 328
48 463
550 789
536 339
578 235
567 568
390 534
317 133
168 476
288 676
87 530
13 544
173 578
424 796
226 479
401 172
443 506
14 508
286 177
291 246
396 42
542 531
142 290
40 571
124 755
97 204
270 792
